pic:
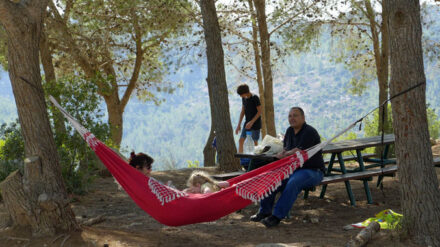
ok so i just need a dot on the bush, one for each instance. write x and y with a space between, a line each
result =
372 123
77 160
11 142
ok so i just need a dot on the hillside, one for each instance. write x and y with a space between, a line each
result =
176 131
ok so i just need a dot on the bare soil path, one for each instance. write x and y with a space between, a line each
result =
313 222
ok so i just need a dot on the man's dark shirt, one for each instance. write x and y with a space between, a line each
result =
250 110
307 137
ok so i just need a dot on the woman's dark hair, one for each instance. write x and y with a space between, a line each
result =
140 160
242 89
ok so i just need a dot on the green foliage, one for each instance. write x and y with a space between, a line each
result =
114 39
353 49
303 39
433 123
11 149
11 142
371 122
193 164
81 100
78 162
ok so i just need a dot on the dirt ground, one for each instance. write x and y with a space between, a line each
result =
313 222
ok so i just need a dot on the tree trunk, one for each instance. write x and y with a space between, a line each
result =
383 72
218 88
108 90
258 67
260 6
419 184
381 56
208 151
115 117
49 74
41 187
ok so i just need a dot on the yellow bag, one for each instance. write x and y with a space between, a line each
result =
387 219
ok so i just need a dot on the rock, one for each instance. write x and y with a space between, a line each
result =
314 220
5 220
349 227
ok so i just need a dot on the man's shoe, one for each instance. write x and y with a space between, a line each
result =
258 217
271 221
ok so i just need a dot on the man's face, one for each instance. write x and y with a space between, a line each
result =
245 95
296 119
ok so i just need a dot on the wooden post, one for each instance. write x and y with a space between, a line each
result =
364 236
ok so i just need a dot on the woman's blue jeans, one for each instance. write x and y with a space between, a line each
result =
290 189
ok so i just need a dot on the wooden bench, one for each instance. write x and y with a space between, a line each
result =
359 175
362 175
339 177
350 157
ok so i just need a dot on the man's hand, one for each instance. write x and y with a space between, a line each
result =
249 125
286 153
281 154
237 130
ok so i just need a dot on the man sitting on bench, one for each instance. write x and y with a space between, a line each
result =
298 136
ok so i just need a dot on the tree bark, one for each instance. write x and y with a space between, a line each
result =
258 72
383 72
218 88
49 74
381 57
260 6
115 117
42 186
419 184
208 151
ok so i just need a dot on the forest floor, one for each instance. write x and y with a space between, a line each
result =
313 222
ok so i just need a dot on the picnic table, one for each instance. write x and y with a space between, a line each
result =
358 146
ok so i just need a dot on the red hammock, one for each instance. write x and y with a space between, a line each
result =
172 207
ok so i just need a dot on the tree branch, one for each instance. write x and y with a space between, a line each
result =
137 65
233 31
69 4
239 70
74 51
289 19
